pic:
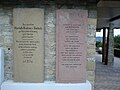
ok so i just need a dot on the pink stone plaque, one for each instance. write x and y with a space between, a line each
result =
71 48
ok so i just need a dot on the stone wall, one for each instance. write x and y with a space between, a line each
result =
6 41
91 50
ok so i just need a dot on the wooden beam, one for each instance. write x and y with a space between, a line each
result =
114 18
108 3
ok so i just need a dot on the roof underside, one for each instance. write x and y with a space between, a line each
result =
68 2
107 10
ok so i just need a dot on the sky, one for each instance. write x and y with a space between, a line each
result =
100 34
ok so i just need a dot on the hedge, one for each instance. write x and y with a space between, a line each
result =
117 52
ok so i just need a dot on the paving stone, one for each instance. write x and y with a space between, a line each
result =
107 76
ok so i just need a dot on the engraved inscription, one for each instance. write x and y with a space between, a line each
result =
26 43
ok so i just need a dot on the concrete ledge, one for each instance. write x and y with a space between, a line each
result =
1 66
10 85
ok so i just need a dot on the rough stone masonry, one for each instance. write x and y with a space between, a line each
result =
6 40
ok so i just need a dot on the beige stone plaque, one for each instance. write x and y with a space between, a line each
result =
28 24
71 46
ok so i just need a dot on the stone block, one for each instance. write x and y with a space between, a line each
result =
4 20
90 65
92 14
91 78
8 40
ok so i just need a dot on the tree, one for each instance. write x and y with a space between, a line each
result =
98 44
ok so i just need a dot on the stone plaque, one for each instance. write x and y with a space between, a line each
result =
28 24
71 48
